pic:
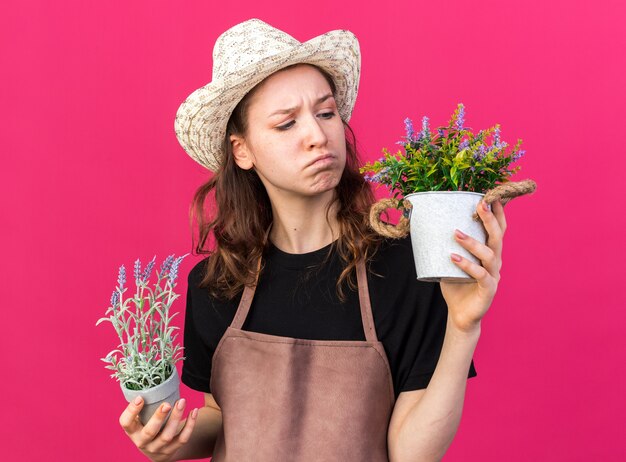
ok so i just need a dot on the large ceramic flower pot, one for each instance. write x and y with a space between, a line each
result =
433 217
168 391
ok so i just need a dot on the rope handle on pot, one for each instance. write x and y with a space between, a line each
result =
387 229
504 192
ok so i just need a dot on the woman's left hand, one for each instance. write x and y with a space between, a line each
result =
468 303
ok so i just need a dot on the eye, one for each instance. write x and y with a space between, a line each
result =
287 126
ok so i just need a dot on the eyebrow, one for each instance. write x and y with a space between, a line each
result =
291 109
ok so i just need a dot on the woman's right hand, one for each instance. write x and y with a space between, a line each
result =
158 446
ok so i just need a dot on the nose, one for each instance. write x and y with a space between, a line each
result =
315 134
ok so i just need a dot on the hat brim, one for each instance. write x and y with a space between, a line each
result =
201 120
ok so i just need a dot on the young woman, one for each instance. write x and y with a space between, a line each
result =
308 333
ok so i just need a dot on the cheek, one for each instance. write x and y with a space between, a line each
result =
277 163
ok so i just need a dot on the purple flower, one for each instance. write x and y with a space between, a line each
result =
464 145
115 299
425 133
121 277
165 266
148 270
481 152
380 176
137 270
496 138
174 270
460 117
518 155
410 132
440 130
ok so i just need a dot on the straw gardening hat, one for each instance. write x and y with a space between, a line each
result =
243 56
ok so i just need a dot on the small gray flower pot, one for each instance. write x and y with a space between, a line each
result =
433 218
168 391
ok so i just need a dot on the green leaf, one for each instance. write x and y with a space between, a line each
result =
103 319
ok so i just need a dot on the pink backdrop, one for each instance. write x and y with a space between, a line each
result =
94 177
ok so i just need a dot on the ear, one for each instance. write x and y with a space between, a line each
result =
243 157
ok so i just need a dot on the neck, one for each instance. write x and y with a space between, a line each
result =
300 226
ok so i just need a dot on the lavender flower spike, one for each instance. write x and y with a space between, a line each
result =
496 138
460 117
174 270
165 266
410 132
121 277
137 271
115 299
425 130
481 153
519 154
148 270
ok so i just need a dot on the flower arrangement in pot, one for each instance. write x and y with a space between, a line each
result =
145 360
437 183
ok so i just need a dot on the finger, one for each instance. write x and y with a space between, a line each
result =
498 210
172 427
128 419
190 423
492 226
153 426
484 253
482 276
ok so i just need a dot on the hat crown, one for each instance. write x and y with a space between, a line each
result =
246 44
243 56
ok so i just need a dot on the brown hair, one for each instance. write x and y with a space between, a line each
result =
243 213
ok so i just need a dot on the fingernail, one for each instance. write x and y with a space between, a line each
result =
460 234
165 407
485 206
137 400
181 404
455 257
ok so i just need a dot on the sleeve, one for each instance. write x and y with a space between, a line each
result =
198 353
429 350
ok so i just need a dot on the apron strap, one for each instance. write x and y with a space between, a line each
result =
248 291
246 300
364 300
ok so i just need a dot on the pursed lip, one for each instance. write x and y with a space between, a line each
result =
323 156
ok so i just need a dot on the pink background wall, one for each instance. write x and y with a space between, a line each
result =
93 177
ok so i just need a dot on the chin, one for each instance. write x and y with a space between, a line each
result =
326 182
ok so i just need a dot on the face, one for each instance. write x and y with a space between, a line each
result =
295 139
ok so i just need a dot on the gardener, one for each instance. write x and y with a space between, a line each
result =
308 333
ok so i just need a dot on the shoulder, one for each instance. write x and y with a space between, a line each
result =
199 295
196 273
206 308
